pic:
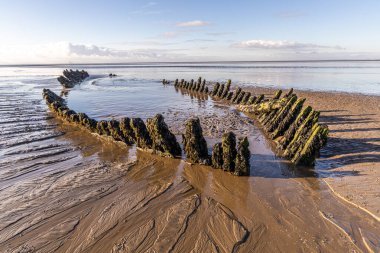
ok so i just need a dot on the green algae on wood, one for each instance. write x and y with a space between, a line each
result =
277 95
290 92
226 89
251 100
316 141
163 140
114 129
300 135
235 94
220 91
70 78
141 133
242 161
245 98
194 143
259 99
273 123
102 128
217 156
289 118
127 131
240 97
289 134
215 89
229 151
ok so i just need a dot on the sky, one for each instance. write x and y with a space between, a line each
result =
121 31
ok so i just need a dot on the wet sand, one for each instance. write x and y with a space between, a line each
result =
66 190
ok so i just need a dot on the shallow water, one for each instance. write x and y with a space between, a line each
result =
344 76
80 193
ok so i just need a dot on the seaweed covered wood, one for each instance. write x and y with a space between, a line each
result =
164 142
242 164
143 139
115 131
217 156
127 131
296 131
226 89
70 78
229 151
156 135
194 143
283 119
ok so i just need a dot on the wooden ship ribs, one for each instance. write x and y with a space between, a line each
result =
70 78
293 127
155 136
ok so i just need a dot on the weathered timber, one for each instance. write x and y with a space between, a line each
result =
236 94
164 142
217 156
289 134
318 138
215 89
240 97
302 133
290 92
242 164
229 151
259 99
226 89
264 107
246 97
251 100
70 78
220 91
229 95
127 131
114 129
277 95
203 86
102 128
289 118
194 143
143 139
272 124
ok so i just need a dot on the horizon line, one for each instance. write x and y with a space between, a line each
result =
181 62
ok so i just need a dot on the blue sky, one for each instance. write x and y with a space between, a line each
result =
42 31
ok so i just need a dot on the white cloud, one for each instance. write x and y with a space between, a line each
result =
281 44
169 35
106 53
64 52
194 23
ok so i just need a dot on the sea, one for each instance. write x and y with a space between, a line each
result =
336 76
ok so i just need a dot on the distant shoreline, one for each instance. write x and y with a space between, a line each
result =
184 62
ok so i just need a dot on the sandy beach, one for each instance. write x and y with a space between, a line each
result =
189 126
64 189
